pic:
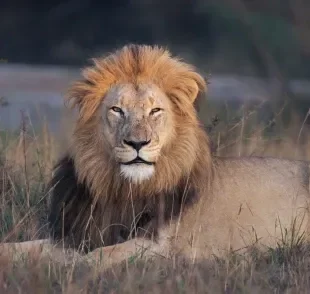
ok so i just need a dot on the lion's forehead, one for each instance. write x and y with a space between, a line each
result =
143 96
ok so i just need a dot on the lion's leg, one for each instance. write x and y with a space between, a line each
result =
23 247
115 254
40 248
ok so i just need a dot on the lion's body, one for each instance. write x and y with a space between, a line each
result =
250 200
140 169
186 199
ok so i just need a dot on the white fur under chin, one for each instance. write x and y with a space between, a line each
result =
136 173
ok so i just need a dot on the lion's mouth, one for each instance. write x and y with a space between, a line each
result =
138 160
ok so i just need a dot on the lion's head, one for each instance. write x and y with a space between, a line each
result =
137 120
137 123
137 138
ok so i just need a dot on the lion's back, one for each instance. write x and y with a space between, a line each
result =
265 171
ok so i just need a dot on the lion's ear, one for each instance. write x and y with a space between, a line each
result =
83 97
193 90
195 85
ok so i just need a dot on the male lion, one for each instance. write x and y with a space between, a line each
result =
140 171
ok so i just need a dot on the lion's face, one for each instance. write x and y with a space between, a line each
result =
137 119
137 124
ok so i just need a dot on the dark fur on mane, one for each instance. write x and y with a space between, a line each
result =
73 212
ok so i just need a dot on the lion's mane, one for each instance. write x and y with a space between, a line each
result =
91 204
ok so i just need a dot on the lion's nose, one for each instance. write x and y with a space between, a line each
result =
137 144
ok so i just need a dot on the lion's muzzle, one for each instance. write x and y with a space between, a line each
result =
137 159
137 145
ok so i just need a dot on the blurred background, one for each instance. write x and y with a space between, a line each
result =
254 52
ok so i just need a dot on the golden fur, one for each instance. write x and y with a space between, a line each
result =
137 65
194 203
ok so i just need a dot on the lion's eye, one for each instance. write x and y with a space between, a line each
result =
155 110
117 110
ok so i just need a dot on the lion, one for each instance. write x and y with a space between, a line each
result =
140 174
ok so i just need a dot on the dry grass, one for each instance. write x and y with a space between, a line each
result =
27 157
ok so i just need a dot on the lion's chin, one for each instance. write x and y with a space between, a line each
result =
137 173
